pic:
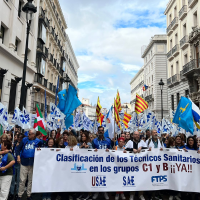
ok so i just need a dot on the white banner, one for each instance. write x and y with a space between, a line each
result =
86 170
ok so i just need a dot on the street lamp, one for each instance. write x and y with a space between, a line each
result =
29 9
161 83
67 80
126 108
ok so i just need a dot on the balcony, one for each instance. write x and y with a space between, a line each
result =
53 6
189 67
184 42
169 30
38 79
52 30
149 98
169 55
175 78
169 81
182 77
174 23
41 13
47 22
175 50
183 12
50 86
192 3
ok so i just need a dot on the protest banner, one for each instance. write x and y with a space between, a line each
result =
87 170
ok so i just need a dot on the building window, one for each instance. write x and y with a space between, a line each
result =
172 102
177 68
172 71
186 93
16 44
184 30
177 98
19 8
170 44
185 59
2 34
11 105
195 18
176 39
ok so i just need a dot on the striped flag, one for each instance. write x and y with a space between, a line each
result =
117 118
140 104
127 119
98 111
118 102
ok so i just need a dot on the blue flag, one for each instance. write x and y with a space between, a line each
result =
57 91
45 105
68 102
183 116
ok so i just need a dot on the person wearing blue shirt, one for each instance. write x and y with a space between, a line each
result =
191 144
15 177
65 136
27 150
179 144
101 142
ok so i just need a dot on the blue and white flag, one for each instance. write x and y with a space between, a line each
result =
110 123
25 119
2 110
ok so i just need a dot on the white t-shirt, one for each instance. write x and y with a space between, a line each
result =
74 147
129 144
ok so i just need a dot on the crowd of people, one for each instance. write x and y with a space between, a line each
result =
17 158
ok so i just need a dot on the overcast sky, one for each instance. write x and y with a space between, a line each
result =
107 36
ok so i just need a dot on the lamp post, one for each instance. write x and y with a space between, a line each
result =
29 9
161 83
67 80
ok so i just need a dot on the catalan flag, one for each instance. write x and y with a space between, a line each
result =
101 119
117 118
127 119
140 104
118 102
98 110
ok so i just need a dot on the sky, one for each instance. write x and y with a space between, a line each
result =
107 36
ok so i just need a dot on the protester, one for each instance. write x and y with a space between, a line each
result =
191 144
53 134
148 134
154 142
136 146
92 136
171 142
6 169
72 143
65 136
85 141
25 155
120 147
16 176
60 143
128 137
50 144
179 143
101 142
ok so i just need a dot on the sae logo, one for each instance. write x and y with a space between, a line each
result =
79 168
159 179
128 181
99 181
